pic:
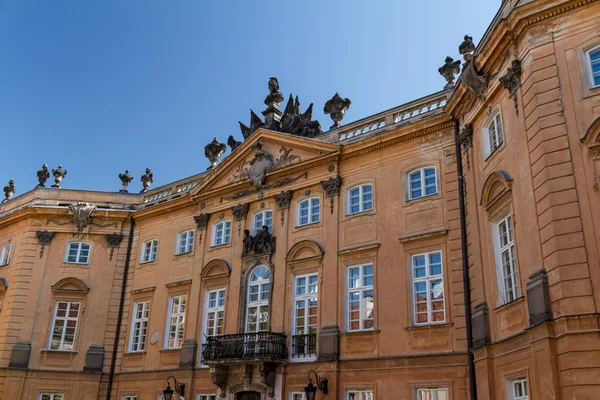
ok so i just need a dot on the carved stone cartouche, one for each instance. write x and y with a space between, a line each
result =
201 220
147 180
332 186
512 81
232 143
449 71
125 178
43 175
260 166
471 77
336 107
283 199
59 174
82 214
240 212
213 151
9 191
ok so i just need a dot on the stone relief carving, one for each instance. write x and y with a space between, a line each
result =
465 138
285 159
268 377
476 81
59 175
147 180
297 123
332 189
213 151
449 71
9 191
44 238
283 201
43 175
113 240
262 243
125 178
260 166
240 212
512 81
201 221
219 375
336 107
82 214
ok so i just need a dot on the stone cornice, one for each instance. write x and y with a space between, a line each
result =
62 214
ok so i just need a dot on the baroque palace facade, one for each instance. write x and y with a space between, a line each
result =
345 257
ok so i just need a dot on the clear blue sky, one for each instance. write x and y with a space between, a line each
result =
107 85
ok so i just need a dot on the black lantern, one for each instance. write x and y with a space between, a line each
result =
179 388
311 390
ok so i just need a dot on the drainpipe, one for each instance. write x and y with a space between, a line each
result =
113 361
465 263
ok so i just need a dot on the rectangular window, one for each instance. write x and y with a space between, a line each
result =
78 253
185 242
149 251
64 326
359 395
129 397
309 211
52 396
432 394
361 298
215 313
360 198
297 396
517 389
495 135
506 264
422 182
175 321
428 288
594 66
304 339
206 397
260 219
139 326
6 254
221 233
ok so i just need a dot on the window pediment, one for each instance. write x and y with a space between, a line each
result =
3 285
215 269
592 138
497 184
303 251
70 285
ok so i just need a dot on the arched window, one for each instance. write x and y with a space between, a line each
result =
262 218
360 198
422 182
308 211
78 253
257 301
221 233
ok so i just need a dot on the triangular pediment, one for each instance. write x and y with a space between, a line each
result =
285 150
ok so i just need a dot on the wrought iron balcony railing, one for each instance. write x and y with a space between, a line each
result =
266 346
304 346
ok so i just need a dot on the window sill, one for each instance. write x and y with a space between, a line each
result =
135 353
147 262
501 307
429 326
299 360
65 352
433 196
218 246
359 214
364 332
173 350
187 253
490 156
305 226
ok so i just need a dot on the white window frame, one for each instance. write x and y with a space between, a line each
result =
423 185
495 118
293 395
505 294
589 68
511 386
6 255
261 215
361 198
311 217
52 396
361 290
79 251
185 242
66 319
428 279
305 297
260 303
216 309
359 394
206 396
225 236
139 326
129 397
431 393
152 254
176 319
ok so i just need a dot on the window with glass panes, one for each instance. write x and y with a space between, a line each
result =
129 397
64 326
206 397
221 233
52 396
432 394
360 198
304 339
428 288
495 136
594 66
518 390
506 260
259 295
139 326
361 297
6 254
215 313
149 251
78 253
262 218
175 321
297 396
359 395
309 211
185 242
422 182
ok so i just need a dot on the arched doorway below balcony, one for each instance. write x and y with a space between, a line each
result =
248 396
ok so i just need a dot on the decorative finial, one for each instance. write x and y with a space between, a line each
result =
9 191
232 143
125 178
43 175
449 71
213 151
336 107
147 180
476 81
59 174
